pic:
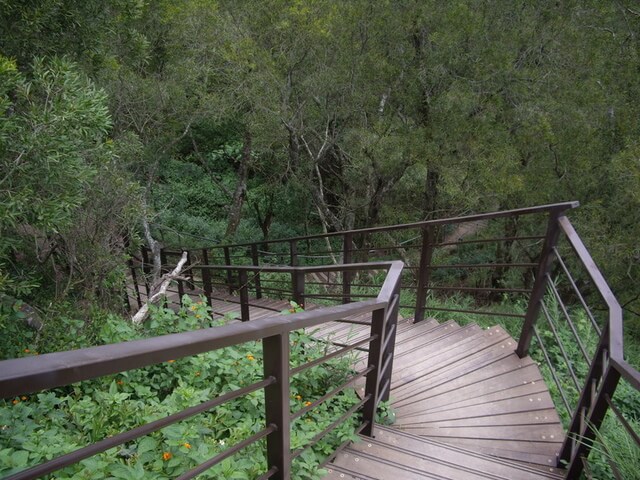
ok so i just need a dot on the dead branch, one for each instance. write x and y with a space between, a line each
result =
159 290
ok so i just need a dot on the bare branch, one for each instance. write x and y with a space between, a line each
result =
159 290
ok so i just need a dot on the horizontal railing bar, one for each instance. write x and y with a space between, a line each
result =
268 474
634 435
554 332
390 335
353 322
615 311
489 240
331 426
382 371
203 467
557 207
577 291
333 455
30 374
484 265
553 372
278 290
337 353
238 302
330 394
338 344
339 295
383 389
381 265
481 289
110 442
372 249
479 312
562 306
629 373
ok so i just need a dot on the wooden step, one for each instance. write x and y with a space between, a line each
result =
398 455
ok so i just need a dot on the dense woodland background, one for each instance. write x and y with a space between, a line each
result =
236 121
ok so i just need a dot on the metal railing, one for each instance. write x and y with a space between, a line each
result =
596 348
592 369
416 244
34 374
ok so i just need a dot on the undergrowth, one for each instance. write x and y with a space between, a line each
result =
38 427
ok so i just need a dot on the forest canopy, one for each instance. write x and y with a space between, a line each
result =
231 121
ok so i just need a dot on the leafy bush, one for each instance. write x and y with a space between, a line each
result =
34 428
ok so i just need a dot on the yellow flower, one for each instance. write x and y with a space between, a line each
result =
193 308
186 445
251 357
166 456
170 361
197 374
198 315
298 397
16 401
306 404
23 398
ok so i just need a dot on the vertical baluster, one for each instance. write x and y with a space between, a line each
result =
244 295
424 272
390 329
256 275
540 284
293 253
347 240
227 261
373 377
276 364
298 286
206 278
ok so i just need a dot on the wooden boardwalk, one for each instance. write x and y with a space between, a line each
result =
466 406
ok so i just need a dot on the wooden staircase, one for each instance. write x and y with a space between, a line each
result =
466 408
398 455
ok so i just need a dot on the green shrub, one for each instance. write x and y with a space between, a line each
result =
34 428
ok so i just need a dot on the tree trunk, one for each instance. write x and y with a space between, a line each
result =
240 193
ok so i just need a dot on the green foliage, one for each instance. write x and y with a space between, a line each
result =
37 427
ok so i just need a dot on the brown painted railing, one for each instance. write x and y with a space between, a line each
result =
33 374
596 347
592 393
417 244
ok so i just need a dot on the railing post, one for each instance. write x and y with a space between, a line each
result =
134 278
390 329
206 278
244 295
298 286
540 284
163 261
346 259
191 284
590 410
373 377
424 272
227 261
293 252
276 364
255 258
180 291
146 270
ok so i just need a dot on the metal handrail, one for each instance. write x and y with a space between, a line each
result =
31 374
607 365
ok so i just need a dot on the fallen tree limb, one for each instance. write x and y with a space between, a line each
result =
159 290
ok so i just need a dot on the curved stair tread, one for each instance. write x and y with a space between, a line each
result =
399 455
